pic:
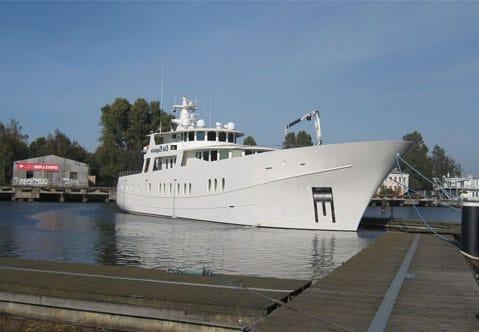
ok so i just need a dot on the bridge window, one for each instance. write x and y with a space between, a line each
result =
214 155
147 165
212 136
206 155
159 139
222 136
200 136
191 136
224 154
230 137
157 164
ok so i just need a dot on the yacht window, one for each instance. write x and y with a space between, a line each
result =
164 188
214 155
149 188
183 136
171 188
184 189
206 155
147 165
191 136
236 153
248 152
173 147
189 189
212 136
198 155
173 136
223 184
209 184
157 164
159 139
216 184
178 191
200 136
224 154
222 136
166 163
230 137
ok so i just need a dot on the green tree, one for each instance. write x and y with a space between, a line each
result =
289 141
303 139
13 146
58 144
442 165
124 133
418 157
249 140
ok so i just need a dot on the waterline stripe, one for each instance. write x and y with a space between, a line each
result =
381 317
166 282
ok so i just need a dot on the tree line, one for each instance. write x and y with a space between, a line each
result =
124 129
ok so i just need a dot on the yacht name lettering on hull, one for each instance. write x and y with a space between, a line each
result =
161 148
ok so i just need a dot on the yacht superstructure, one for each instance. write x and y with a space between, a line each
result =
202 173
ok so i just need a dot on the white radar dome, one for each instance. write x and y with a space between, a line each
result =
231 126
200 123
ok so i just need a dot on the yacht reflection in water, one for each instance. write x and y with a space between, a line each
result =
183 244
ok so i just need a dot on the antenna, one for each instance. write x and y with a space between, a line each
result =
162 81
211 109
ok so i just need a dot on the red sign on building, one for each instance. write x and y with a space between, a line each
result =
38 167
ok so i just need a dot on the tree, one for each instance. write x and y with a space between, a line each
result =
13 146
442 165
249 140
289 141
58 144
303 139
418 157
124 133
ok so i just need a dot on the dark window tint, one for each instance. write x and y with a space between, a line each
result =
173 147
214 155
200 136
212 136
222 136
73 176
29 174
191 136
147 165
230 137
206 155
248 152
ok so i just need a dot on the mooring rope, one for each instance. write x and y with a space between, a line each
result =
423 220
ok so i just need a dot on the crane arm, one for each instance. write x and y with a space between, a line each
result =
308 116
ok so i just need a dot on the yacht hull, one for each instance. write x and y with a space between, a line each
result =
325 187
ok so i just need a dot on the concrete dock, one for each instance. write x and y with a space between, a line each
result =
402 282
130 298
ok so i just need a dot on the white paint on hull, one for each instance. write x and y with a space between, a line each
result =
271 189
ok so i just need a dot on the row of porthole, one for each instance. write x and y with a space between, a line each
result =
213 185
168 189
130 188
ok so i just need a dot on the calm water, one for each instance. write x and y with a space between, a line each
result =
441 214
101 234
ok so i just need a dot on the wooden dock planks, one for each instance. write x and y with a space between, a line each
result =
438 293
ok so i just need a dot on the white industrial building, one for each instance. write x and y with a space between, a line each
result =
465 187
396 181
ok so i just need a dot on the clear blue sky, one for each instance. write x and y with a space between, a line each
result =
376 70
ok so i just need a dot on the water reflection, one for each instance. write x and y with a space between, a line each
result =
100 234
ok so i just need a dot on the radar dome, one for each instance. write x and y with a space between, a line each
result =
200 123
231 125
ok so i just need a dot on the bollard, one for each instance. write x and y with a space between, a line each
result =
470 229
